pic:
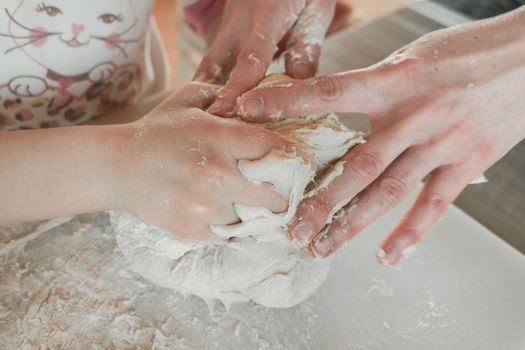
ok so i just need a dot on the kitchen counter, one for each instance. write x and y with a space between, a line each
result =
499 204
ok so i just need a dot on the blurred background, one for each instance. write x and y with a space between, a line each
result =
355 13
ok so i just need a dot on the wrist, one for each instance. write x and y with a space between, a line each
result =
114 145
211 29
92 163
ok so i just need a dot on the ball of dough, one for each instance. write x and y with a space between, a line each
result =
254 261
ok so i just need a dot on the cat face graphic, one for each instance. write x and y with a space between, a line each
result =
57 33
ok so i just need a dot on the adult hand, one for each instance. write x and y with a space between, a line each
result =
444 108
177 166
247 40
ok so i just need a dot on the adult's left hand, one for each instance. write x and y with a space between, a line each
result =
445 108
247 39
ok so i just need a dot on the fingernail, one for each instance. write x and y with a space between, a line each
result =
302 70
252 107
216 106
382 258
299 232
322 245
393 252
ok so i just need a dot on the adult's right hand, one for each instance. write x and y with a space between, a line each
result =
445 108
247 39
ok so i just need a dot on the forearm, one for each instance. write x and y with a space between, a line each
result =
54 172
485 48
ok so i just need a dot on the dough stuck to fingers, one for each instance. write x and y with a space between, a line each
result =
254 261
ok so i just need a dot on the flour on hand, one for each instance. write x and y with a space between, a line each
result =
254 261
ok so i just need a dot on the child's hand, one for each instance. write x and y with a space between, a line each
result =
177 166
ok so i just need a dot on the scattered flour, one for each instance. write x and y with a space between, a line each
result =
479 180
378 287
67 286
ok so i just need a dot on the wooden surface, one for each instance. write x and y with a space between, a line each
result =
499 204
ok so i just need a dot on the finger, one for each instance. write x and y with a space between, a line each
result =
302 60
255 194
219 59
304 45
256 53
362 165
194 94
221 172
249 70
251 142
266 150
354 91
215 66
443 186
378 198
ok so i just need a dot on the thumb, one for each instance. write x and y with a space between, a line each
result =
351 91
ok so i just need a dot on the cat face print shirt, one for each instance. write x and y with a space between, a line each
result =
66 62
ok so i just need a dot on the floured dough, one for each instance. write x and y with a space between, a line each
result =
255 261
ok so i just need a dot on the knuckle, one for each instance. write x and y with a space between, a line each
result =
393 189
482 152
323 203
366 165
319 208
410 234
251 58
209 170
402 69
437 202
328 87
